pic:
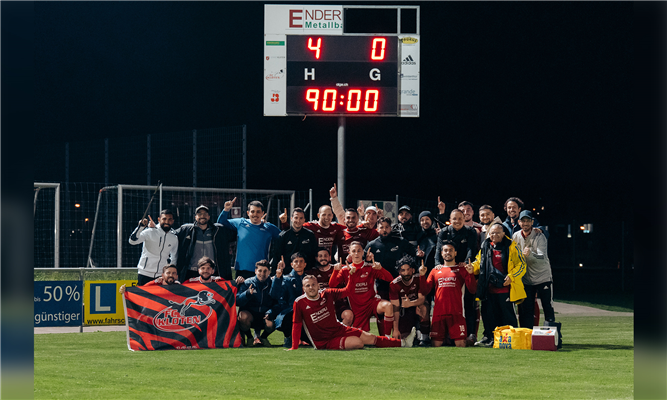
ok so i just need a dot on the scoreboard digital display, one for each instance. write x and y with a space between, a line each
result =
316 63
342 75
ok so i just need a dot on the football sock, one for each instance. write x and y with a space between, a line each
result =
383 341
388 325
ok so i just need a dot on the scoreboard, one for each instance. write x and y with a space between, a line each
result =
310 70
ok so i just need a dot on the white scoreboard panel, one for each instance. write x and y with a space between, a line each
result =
332 73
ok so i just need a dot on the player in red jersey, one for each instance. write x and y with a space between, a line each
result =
353 233
363 298
407 299
205 267
324 229
323 272
316 310
448 280
169 277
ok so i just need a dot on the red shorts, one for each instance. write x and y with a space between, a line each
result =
362 316
338 342
454 324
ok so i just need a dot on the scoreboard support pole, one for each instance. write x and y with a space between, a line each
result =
341 162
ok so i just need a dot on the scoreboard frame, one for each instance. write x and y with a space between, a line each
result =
312 67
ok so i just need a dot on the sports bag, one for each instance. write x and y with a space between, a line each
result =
508 337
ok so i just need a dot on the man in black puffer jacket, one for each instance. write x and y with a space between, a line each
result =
203 238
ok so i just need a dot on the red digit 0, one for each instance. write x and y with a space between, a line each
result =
351 93
374 52
333 100
376 96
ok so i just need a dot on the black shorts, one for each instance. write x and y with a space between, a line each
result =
258 321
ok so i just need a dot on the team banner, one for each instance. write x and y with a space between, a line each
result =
182 317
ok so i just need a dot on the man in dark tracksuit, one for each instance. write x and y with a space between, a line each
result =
427 240
387 250
465 241
204 238
406 225
296 239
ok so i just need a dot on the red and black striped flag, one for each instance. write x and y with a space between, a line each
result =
188 316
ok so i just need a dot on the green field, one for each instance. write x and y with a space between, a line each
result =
596 362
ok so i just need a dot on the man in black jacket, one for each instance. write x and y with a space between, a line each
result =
200 239
406 225
296 239
465 240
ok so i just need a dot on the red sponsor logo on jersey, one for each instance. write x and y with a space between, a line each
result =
185 315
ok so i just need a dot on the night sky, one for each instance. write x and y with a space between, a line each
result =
517 99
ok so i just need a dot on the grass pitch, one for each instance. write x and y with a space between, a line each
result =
596 362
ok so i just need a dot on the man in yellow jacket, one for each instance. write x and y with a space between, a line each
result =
500 266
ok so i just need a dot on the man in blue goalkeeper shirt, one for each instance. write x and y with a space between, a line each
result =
254 236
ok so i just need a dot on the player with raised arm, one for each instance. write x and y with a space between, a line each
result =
315 309
408 300
323 271
254 236
448 279
363 298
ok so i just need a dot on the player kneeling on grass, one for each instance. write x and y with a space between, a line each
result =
363 298
286 289
316 310
256 306
448 279
407 299
169 277
206 267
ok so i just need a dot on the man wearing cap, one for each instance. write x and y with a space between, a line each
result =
203 238
406 225
537 280
513 207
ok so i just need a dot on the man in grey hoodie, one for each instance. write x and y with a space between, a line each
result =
538 279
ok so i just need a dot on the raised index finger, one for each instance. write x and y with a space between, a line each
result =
149 217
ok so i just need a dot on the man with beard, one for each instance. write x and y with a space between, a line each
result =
501 266
206 268
387 250
169 277
538 280
465 240
352 233
513 207
254 236
468 213
363 298
322 271
448 312
324 228
315 310
408 300
486 217
427 242
160 245
406 225
297 239
203 238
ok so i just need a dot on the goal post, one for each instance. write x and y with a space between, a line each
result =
46 221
